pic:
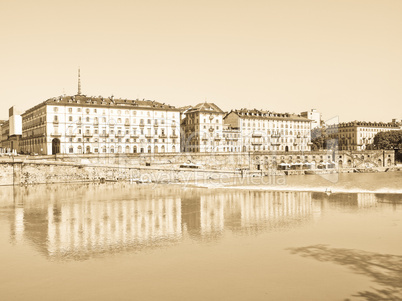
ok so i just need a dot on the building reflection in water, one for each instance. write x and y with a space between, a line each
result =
80 221
347 201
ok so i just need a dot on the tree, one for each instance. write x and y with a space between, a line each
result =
388 140
321 140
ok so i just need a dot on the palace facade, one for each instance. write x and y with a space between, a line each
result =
82 124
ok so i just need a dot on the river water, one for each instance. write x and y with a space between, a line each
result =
255 239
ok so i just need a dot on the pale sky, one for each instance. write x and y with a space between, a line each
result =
342 57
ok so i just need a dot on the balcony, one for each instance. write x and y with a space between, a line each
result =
156 124
87 134
211 129
135 136
256 143
173 125
298 136
120 135
217 138
149 136
55 134
70 135
127 124
104 135
256 135
142 124
275 135
204 138
276 144
55 122
162 136
174 136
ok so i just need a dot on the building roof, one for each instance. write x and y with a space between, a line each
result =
207 107
263 114
99 101
366 124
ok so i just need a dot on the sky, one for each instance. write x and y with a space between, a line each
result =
341 57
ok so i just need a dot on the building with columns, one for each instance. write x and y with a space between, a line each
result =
269 131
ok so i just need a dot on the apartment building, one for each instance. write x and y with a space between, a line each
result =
269 131
314 116
202 128
86 124
357 135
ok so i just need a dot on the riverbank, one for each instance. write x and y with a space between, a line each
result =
22 171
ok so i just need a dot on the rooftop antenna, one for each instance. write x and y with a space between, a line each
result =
79 82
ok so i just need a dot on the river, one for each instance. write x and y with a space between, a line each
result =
242 239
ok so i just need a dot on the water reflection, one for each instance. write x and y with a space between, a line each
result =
81 221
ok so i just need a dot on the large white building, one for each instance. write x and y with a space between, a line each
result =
270 131
83 124
314 116
357 135
203 130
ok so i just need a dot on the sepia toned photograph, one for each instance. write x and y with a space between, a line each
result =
201 150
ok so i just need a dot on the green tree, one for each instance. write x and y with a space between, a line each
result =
388 140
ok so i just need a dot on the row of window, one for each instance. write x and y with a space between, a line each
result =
118 112
119 149
120 140
112 121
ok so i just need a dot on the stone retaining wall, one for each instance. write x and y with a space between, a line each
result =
166 167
